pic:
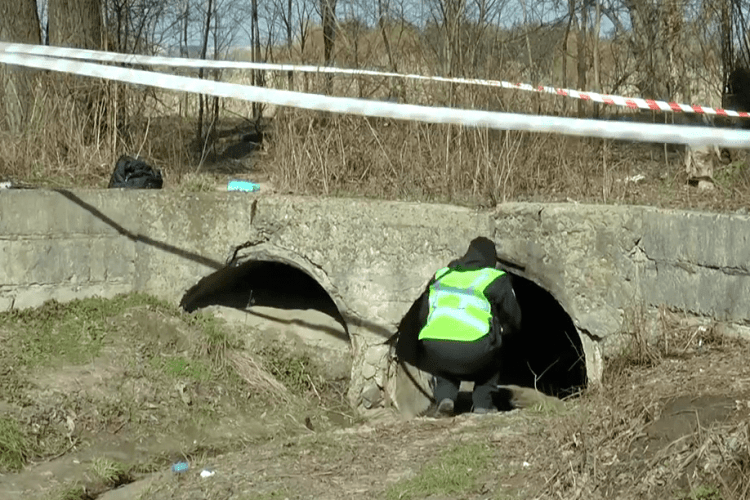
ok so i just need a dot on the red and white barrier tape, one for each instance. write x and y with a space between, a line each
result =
645 132
178 62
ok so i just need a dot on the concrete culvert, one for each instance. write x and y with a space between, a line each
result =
278 301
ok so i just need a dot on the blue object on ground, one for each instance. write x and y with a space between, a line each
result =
246 186
180 467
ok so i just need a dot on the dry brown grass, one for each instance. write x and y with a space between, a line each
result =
671 428
79 127
379 158
257 379
323 154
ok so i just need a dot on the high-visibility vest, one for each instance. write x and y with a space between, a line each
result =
458 308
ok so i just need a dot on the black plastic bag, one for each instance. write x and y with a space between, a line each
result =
134 173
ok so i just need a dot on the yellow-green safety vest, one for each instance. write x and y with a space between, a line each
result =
458 308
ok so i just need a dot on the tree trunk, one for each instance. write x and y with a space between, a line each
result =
204 50
452 11
19 23
649 48
673 29
217 76
187 48
382 12
257 75
290 74
582 59
75 23
532 69
328 14
727 62
597 76
79 24
571 16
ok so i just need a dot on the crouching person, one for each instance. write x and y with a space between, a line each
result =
466 310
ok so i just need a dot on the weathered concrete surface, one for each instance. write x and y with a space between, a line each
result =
374 257
600 261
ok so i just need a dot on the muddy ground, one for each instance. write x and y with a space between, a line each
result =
100 399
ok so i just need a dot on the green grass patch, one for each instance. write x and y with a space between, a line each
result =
73 332
14 445
704 492
216 340
182 367
69 491
295 370
109 471
731 175
454 472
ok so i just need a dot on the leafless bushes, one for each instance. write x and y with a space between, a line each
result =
326 154
320 154
62 146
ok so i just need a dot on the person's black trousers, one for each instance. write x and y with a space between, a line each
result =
453 361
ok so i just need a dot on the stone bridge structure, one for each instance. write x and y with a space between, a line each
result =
582 270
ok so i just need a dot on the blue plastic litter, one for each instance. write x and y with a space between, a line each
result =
180 467
247 186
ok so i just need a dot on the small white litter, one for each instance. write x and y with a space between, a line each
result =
635 178
207 473
526 464
5 185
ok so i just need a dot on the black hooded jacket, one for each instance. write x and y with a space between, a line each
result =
506 313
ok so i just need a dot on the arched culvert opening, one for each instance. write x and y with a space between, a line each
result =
547 354
278 300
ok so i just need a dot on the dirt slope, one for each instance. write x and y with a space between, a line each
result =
109 420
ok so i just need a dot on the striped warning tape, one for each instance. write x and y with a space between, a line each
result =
645 132
178 62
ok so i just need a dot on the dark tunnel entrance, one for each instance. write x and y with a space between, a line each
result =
260 285
546 355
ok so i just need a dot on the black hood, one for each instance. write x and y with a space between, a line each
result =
481 254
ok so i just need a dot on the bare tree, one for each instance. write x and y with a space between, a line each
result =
304 14
328 19
184 46
647 46
76 23
727 59
204 50
287 20
257 76
383 8
597 36
448 16
19 22
571 17
582 66
79 24
484 14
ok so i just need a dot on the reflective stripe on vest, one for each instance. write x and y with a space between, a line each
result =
458 308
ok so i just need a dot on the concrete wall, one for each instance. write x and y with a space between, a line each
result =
374 257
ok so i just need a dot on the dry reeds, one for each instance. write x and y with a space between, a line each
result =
77 128
258 380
